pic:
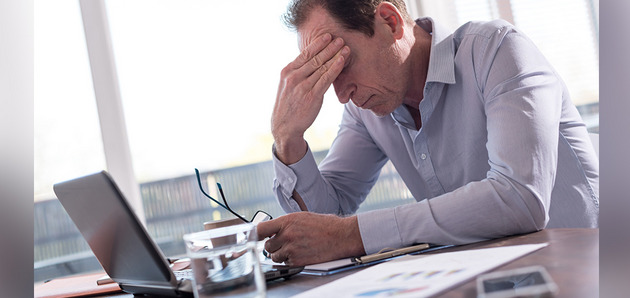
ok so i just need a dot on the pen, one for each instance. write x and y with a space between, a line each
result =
390 254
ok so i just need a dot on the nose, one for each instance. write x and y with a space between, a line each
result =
345 91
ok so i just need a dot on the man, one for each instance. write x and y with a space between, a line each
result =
477 123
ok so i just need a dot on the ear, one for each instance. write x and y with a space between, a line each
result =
388 17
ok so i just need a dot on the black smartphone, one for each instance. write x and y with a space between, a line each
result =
532 281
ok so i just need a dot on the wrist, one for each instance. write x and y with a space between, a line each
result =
290 151
353 237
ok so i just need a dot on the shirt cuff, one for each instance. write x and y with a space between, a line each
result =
379 229
287 176
307 173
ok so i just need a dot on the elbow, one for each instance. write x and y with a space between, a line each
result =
537 204
527 207
534 213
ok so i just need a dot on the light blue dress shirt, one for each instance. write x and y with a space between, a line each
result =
502 150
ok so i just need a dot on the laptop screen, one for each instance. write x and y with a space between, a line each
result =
112 230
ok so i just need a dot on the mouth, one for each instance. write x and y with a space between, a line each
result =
364 104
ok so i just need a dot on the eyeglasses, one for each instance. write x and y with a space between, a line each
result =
258 217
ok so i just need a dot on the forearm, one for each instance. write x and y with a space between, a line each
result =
338 186
478 211
301 187
298 199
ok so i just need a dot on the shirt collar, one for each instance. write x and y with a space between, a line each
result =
402 117
442 57
441 64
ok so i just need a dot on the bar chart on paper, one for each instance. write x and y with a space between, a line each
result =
422 275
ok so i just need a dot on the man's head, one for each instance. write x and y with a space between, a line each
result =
353 14
378 70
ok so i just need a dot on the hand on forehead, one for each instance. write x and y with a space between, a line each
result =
319 24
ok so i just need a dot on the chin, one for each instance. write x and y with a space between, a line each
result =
381 110
379 113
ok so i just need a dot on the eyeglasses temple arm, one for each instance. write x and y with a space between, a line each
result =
222 195
211 198
226 204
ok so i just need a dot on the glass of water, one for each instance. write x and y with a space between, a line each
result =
225 262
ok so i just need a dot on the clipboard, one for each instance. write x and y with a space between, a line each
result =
332 267
387 253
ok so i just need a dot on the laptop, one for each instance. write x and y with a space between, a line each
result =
120 242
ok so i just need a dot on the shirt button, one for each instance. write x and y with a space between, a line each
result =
290 180
423 156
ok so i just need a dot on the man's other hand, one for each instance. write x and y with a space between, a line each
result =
305 238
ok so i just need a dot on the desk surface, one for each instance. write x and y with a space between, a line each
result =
572 259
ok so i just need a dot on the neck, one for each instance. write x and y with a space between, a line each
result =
419 58
415 114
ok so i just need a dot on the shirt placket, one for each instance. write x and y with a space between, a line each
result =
425 165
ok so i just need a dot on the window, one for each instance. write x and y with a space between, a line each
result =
565 31
197 85
199 79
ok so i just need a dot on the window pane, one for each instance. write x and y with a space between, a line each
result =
475 10
564 31
199 84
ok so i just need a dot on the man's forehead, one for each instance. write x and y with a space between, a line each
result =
318 23
305 40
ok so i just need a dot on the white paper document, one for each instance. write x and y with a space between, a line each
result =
421 275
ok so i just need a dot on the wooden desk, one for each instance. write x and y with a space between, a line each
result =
572 259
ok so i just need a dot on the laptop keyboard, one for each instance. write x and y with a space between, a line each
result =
234 269
183 274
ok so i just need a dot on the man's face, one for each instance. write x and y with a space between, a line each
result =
373 77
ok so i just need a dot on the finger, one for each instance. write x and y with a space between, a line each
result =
310 61
324 56
311 50
327 74
278 257
268 228
273 244
319 72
